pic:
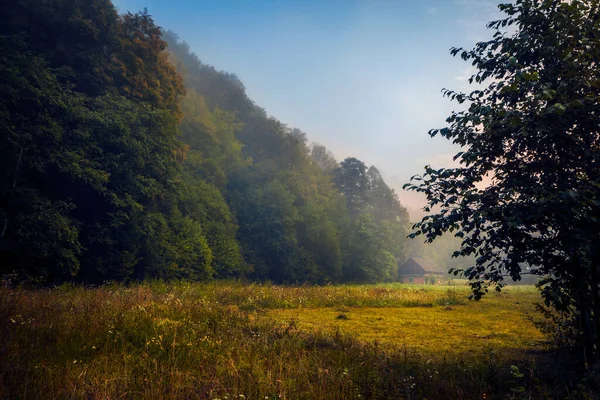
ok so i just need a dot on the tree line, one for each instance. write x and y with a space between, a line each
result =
124 157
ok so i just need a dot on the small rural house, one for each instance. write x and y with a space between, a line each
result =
415 269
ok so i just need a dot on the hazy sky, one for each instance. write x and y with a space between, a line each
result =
361 77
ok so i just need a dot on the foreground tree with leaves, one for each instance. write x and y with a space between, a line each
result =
526 193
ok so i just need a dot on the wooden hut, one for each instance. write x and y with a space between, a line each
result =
415 269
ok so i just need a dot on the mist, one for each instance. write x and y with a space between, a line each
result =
362 78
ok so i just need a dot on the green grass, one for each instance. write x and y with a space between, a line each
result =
229 340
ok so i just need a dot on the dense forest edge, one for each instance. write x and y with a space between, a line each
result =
124 157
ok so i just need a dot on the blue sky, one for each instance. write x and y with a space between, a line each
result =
361 77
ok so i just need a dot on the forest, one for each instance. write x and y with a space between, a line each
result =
125 157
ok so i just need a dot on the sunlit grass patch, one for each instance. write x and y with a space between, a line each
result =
497 322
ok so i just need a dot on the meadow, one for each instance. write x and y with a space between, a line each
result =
229 340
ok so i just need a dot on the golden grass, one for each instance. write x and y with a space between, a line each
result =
498 321
229 340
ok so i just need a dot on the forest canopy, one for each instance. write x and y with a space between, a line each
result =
124 157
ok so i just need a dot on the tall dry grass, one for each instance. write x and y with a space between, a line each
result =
211 341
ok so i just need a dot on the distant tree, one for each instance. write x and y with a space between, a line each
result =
323 158
351 180
220 89
382 200
267 215
297 134
377 223
369 250
527 191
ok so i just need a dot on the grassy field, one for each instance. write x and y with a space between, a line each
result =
448 327
236 341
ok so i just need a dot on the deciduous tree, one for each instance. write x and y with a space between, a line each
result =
527 188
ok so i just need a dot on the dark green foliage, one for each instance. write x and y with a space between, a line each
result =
559 326
74 38
377 223
213 154
267 218
351 180
37 232
88 166
112 170
128 147
533 133
205 204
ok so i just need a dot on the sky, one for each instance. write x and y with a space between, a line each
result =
362 77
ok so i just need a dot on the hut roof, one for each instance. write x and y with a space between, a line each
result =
429 266
411 267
